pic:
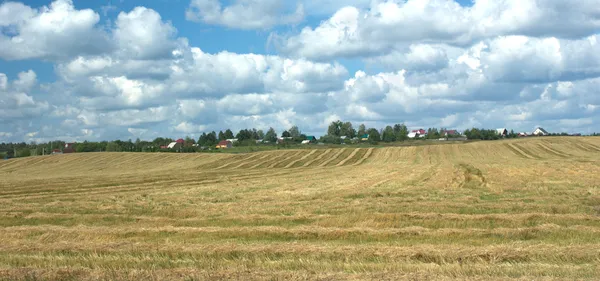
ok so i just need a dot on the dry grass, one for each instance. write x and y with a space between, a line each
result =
518 209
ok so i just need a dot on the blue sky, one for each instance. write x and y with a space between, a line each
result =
109 69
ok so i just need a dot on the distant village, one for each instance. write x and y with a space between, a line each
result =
337 133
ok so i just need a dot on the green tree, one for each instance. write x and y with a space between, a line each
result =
334 128
211 139
228 134
294 132
222 136
286 134
271 135
261 134
347 130
113 146
401 132
388 134
374 136
362 130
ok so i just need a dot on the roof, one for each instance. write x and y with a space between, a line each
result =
365 136
420 131
224 142
501 130
311 138
180 141
541 129
171 145
451 132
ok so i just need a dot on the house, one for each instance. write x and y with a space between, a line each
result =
539 131
164 147
311 138
57 151
523 134
502 132
172 145
224 144
232 140
420 133
447 133
69 148
364 137
305 142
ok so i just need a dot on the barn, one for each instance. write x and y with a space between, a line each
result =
224 144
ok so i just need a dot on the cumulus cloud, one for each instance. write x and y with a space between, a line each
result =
141 34
50 32
352 32
427 63
15 100
244 14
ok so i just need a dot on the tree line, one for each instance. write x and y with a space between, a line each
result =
337 132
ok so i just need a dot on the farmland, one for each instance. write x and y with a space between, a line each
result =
524 208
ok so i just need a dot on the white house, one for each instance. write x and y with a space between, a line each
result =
232 140
539 131
305 141
421 133
172 145
502 131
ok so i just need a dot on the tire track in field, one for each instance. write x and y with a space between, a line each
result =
288 157
318 158
246 160
552 151
356 157
18 162
303 158
348 158
151 186
332 158
258 160
282 154
365 157
591 146
236 160
526 151
518 152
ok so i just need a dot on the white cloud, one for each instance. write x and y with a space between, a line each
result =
427 63
50 32
141 34
16 102
244 14
351 32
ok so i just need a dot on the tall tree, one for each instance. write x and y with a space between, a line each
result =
261 134
401 132
294 132
334 128
271 135
222 136
388 134
211 139
362 130
286 134
347 130
374 136
228 134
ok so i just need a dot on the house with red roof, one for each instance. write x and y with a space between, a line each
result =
417 133
224 144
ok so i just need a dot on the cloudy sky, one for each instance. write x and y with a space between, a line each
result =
119 69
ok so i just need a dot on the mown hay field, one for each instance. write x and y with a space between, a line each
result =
517 209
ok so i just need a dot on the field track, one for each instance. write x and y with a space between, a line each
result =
526 209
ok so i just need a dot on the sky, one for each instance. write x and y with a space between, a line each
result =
79 70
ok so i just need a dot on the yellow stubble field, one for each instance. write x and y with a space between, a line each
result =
515 209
